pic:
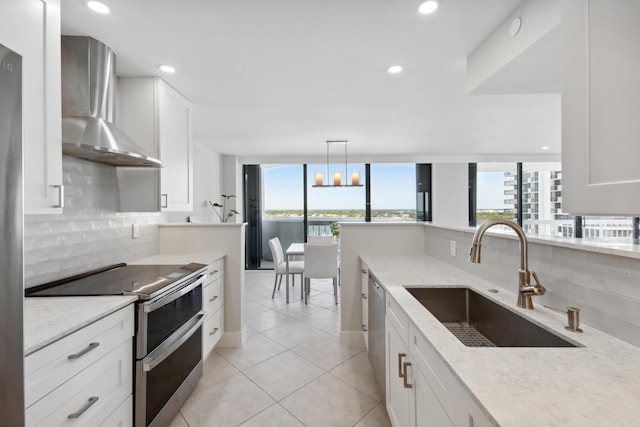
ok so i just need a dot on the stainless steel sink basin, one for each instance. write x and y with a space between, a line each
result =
479 322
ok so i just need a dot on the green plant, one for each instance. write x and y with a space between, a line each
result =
335 229
221 209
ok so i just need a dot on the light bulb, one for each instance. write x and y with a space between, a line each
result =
428 7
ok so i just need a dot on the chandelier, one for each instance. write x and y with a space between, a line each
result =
337 176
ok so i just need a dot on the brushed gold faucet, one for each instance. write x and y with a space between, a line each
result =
525 289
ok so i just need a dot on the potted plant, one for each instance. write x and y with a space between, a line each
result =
335 229
221 209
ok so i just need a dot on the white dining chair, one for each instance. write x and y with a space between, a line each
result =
321 262
320 239
280 267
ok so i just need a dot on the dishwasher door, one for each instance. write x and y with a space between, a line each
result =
376 311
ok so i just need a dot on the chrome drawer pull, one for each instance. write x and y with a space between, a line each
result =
215 271
77 414
364 328
406 384
400 356
214 298
85 351
214 331
60 196
364 296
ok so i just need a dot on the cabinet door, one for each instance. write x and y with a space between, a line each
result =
32 29
600 102
175 150
398 397
426 410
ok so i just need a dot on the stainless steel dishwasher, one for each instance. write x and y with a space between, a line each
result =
376 309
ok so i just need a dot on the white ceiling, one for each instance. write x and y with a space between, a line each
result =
277 78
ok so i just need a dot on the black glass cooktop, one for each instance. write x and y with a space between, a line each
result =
146 281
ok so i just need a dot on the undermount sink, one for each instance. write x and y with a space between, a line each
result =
479 322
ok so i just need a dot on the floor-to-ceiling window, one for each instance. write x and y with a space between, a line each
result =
327 204
393 192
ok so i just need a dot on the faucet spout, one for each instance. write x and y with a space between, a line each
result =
525 289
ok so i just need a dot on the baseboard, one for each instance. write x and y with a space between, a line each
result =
233 338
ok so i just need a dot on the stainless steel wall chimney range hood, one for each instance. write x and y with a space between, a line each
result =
88 103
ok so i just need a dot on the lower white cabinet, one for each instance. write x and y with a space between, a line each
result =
213 304
421 390
83 378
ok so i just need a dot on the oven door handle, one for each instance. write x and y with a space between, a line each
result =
166 299
172 343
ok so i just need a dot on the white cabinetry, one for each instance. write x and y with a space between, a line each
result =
213 304
32 29
600 102
364 282
421 390
85 378
158 118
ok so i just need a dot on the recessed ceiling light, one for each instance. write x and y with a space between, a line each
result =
546 147
167 69
428 7
96 6
394 69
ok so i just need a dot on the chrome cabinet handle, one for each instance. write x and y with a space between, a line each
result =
79 412
364 271
364 296
364 328
81 353
400 356
60 196
166 200
404 376
214 331
215 271
214 298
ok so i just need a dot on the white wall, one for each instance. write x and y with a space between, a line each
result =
232 181
450 188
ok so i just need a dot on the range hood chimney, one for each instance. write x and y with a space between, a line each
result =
88 104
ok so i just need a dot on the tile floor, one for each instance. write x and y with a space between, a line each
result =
293 370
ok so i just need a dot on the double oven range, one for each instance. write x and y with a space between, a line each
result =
168 340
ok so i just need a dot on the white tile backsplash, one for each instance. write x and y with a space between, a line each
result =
90 233
606 288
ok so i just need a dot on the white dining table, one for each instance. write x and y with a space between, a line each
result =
295 249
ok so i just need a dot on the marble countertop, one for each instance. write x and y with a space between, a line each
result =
202 258
594 385
48 319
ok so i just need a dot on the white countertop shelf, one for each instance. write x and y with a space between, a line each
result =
594 385
202 258
47 319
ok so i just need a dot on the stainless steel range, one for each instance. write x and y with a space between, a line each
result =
169 317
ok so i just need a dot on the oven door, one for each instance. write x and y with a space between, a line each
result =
166 377
161 317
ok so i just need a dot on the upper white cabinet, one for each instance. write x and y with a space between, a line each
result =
600 105
158 118
32 29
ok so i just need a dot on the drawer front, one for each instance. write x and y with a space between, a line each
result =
213 297
212 331
435 371
90 396
215 270
398 319
121 417
51 366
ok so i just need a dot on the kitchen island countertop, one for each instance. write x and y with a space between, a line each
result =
594 385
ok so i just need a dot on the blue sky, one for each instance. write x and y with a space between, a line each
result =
392 187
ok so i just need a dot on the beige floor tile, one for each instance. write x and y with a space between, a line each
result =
283 374
324 320
226 403
255 350
216 368
178 421
378 417
267 320
292 334
273 416
323 300
357 373
327 351
297 309
251 308
327 401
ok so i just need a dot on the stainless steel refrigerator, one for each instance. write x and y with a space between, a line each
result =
11 246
